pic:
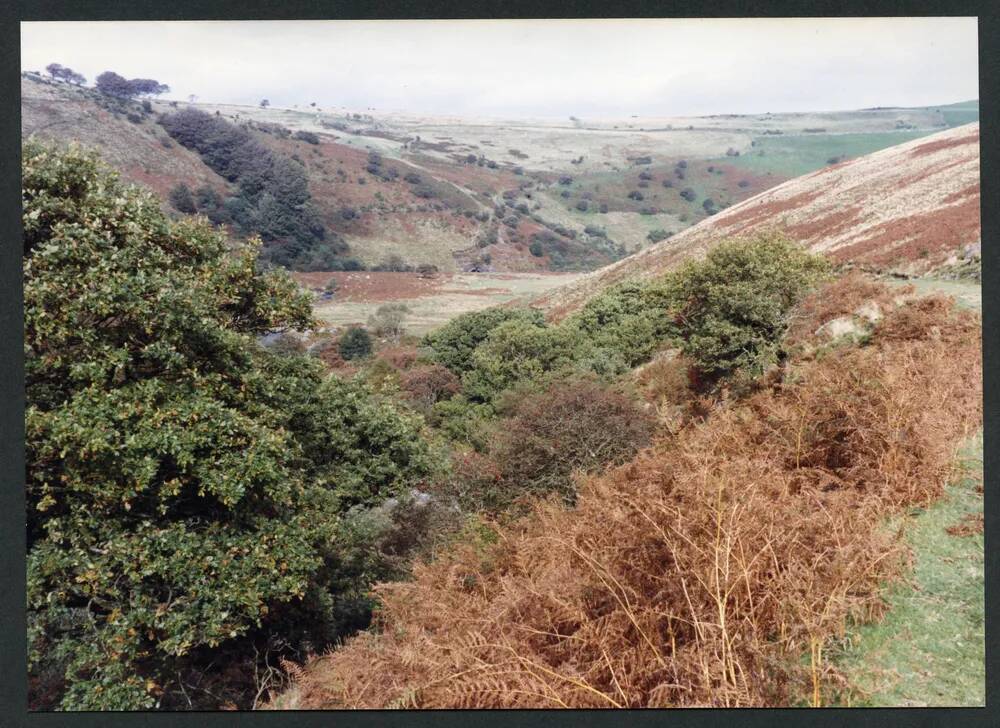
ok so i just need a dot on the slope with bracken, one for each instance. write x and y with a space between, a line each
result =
910 208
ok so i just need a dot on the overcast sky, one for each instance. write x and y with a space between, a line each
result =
497 68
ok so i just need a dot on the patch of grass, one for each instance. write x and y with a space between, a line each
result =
794 155
929 648
967 294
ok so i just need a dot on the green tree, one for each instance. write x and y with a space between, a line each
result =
454 343
356 343
389 320
631 319
182 199
517 351
732 308
183 484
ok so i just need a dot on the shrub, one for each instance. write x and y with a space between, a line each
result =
635 195
566 180
536 249
569 427
688 194
668 183
453 344
617 571
389 320
630 319
429 384
604 207
743 183
133 117
657 235
180 478
734 305
394 263
182 200
515 352
412 177
582 206
306 136
356 343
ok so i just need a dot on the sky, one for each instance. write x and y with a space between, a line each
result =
533 68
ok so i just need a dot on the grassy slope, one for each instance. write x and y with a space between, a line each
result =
929 648
792 156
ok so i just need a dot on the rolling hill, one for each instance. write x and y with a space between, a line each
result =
911 208
487 194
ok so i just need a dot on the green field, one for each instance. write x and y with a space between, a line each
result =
929 649
792 156
964 112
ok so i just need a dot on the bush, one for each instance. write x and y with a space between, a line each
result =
389 320
568 427
734 304
668 183
133 117
453 344
356 343
412 177
536 249
429 384
394 263
635 195
575 425
657 235
182 200
630 319
182 482
306 136
688 194
515 352
582 206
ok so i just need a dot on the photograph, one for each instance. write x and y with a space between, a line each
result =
569 363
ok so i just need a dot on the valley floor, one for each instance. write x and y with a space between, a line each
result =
432 301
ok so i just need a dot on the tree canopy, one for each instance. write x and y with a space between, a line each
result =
185 486
111 84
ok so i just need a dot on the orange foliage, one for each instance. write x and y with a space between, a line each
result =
700 572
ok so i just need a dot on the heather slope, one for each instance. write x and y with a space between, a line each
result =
909 208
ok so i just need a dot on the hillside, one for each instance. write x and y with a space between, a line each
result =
490 194
911 208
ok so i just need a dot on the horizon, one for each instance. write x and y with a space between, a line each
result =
549 69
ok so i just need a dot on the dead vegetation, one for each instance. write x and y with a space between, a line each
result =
700 573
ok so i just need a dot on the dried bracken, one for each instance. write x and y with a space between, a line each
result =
701 572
